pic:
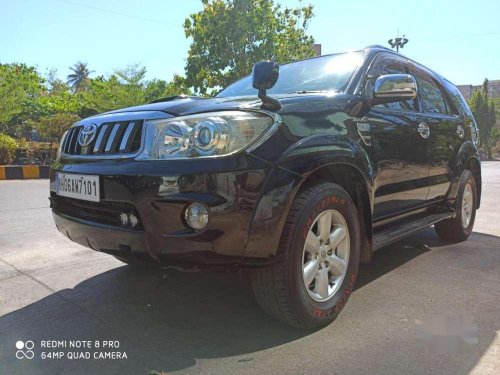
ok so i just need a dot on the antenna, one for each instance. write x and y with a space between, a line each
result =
398 42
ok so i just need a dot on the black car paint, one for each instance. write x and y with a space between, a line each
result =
250 193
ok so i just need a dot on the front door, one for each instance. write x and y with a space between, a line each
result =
438 115
401 156
398 148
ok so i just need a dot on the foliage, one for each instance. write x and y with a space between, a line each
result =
496 103
494 137
79 79
52 127
229 36
125 88
104 94
158 88
20 88
484 112
8 146
42 151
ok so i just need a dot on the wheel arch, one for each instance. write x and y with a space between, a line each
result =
264 236
474 165
351 179
467 157
318 158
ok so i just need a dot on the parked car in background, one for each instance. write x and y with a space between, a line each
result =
297 173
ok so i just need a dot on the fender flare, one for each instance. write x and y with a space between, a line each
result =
297 164
467 157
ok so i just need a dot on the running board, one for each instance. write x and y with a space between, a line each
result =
396 232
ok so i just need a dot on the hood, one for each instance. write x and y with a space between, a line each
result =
190 105
181 106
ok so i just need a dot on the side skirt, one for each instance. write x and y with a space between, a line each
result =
391 233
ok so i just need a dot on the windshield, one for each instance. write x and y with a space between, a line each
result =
326 73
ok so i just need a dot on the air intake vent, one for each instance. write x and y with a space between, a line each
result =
110 138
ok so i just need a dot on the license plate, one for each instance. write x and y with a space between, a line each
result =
79 186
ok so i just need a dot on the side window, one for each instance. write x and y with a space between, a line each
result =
388 64
430 95
457 99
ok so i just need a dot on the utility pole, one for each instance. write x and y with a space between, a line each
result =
398 42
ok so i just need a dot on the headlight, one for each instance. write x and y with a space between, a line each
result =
208 134
61 142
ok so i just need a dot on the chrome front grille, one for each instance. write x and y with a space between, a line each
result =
111 138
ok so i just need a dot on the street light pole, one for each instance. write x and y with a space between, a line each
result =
398 42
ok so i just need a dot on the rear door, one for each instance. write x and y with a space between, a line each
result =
397 147
439 117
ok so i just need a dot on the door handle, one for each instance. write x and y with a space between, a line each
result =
424 130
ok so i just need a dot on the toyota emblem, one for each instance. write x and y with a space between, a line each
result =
87 135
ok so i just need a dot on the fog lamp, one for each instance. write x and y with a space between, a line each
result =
133 220
196 215
124 219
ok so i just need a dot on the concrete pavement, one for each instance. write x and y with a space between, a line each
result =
208 323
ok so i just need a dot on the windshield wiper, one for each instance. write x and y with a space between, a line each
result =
308 92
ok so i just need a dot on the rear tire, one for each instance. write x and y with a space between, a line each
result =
304 287
459 228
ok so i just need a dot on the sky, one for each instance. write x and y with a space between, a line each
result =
459 39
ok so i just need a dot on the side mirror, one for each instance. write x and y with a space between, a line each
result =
264 76
394 88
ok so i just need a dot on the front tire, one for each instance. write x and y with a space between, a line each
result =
460 227
317 261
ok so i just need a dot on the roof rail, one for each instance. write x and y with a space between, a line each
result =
378 46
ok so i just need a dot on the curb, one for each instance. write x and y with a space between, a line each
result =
23 172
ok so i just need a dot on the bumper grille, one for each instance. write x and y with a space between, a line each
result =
97 212
111 138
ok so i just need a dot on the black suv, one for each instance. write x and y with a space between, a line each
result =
297 173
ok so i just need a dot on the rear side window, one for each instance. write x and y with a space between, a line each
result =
430 94
387 64
457 99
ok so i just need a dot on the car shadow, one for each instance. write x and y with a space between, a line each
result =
166 320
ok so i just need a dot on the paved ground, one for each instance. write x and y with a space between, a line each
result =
52 289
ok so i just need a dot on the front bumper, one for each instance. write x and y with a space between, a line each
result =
159 191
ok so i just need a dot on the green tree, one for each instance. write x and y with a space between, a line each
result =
105 94
483 110
8 146
229 36
78 80
58 101
492 115
158 88
494 137
52 127
55 84
20 90
133 75
127 87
